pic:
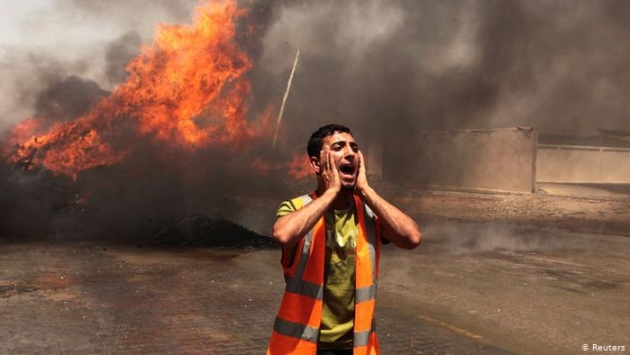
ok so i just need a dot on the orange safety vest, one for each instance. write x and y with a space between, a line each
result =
296 329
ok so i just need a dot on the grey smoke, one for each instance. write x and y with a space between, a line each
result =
68 99
461 238
378 66
140 15
401 66
118 55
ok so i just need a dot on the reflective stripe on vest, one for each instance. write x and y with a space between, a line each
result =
296 329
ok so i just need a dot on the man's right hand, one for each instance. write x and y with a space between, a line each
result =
290 228
329 172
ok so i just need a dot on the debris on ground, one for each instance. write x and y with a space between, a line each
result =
198 230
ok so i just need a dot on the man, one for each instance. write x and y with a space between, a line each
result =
330 253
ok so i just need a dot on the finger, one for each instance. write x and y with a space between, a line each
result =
333 166
361 161
322 160
329 164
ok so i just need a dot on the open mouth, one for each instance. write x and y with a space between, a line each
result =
347 169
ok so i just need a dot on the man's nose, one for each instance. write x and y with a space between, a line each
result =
348 152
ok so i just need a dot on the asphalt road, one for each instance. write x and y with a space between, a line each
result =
470 288
528 289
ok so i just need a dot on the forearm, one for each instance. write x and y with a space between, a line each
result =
400 229
291 228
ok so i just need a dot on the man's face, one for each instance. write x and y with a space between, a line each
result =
345 156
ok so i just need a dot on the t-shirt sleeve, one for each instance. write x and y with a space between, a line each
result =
288 254
285 208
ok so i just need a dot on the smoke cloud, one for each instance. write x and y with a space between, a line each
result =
118 54
401 66
475 238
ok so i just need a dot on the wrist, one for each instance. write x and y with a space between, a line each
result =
330 193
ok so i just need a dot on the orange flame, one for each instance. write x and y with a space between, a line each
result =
26 131
186 90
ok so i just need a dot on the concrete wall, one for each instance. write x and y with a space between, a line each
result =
375 157
575 164
490 159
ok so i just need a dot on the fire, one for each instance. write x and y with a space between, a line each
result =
186 89
299 166
25 132
27 129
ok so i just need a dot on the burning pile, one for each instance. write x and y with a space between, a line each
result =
186 90
175 138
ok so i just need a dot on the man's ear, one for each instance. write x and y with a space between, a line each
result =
314 163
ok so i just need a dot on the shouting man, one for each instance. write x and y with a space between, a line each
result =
330 242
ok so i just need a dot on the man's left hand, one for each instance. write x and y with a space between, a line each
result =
362 181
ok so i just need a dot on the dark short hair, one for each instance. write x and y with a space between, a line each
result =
315 143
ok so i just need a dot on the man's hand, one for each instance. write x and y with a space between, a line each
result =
329 172
362 181
399 228
289 229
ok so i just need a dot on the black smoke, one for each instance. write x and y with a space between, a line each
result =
68 99
119 53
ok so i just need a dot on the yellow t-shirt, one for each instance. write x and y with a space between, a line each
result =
336 330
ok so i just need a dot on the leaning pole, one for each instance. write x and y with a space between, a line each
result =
284 99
